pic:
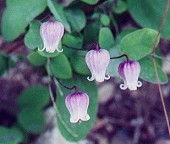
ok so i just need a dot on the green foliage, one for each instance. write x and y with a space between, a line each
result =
120 7
32 120
76 18
82 129
105 20
148 13
73 40
10 135
112 69
91 32
18 14
90 1
106 39
139 43
148 72
2 65
36 59
61 67
58 12
85 22
33 39
79 64
34 96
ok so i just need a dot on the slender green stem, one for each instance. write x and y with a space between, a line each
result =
155 66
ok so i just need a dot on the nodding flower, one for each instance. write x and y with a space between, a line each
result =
51 33
77 104
129 71
97 62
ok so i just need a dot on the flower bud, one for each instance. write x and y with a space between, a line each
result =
77 104
51 34
129 71
97 61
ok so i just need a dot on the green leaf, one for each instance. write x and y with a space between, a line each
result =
105 20
58 12
149 13
76 18
139 43
33 39
81 130
90 1
122 34
34 96
36 59
73 40
120 7
148 72
79 64
91 33
2 65
10 135
18 15
32 120
112 69
61 67
106 39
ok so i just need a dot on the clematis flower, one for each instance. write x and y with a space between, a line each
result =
97 62
51 34
129 71
77 104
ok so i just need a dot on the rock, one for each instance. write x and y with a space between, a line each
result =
105 92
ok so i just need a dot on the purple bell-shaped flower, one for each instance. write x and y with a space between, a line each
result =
51 34
97 62
129 71
77 104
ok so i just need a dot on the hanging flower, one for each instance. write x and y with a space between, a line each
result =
51 34
77 104
129 71
97 61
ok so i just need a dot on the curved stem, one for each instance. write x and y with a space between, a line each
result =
47 16
155 66
160 27
56 79
124 55
66 87
58 114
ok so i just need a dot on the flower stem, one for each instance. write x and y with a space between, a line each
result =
124 55
95 44
155 66
66 87
58 114
48 16
160 27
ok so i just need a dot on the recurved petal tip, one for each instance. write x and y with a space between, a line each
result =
90 79
123 86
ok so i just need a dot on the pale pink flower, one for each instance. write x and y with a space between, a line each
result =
97 61
77 104
129 71
51 34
